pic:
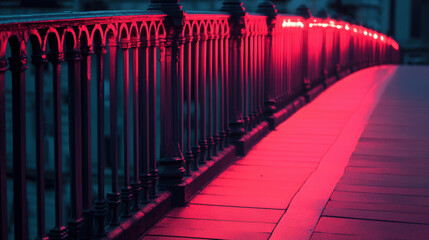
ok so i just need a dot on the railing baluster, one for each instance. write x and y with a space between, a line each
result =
3 186
86 52
126 195
137 89
252 79
39 61
100 203
246 60
18 65
188 88
226 92
261 85
113 199
73 59
196 150
215 134
210 140
222 111
152 118
59 231
202 96
143 122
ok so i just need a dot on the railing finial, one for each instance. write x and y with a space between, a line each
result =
303 11
267 8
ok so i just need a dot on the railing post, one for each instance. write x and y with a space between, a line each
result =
100 207
126 194
86 52
73 59
143 145
237 28
113 198
39 61
323 14
59 230
3 186
18 65
171 171
304 12
268 8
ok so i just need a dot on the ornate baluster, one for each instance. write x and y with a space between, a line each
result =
39 60
304 12
73 60
226 91
171 158
135 182
251 79
188 69
153 170
216 137
126 195
246 60
202 95
237 23
222 111
86 52
3 186
268 9
144 116
196 150
59 231
113 198
100 204
210 140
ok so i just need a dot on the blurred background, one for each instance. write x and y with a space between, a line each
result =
402 19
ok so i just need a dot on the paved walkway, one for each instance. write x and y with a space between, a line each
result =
281 188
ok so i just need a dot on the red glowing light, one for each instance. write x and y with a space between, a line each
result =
375 36
365 33
347 27
289 23
355 30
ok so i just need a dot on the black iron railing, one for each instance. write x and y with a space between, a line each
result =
152 98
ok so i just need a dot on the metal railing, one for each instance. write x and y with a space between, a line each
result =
150 97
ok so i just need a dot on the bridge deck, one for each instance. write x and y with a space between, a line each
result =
292 182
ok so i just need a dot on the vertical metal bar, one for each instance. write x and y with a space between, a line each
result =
251 78
3 186
143 120
222 111
262 80
59 231
215 93
113 197
188 88
18 64
38 61
100 203
86 52
209 91
73 59
135 183
202 96
152 119
126 195
196 150
180 65
245 69
226 91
